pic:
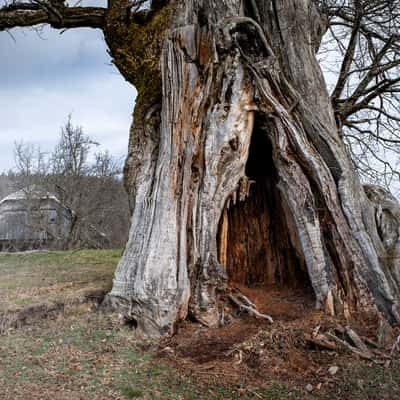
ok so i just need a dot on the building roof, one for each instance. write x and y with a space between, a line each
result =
35 192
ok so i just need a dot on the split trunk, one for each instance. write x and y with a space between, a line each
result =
237 172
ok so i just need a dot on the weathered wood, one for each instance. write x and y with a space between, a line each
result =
249 308
231 73
356 339
363 354
322 341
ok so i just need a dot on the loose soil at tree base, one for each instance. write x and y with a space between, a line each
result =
75 351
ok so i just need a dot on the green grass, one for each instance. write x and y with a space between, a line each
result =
371 381
131 393
84 357
91 355
53 276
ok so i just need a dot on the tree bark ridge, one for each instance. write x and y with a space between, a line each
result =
216 82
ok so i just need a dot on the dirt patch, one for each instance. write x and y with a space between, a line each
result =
281 303
34 313
248 352
250 349
203 345
253 352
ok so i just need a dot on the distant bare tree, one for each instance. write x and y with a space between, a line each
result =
31 163
70 157
32 166
92 189
105 165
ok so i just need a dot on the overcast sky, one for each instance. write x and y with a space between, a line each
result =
43 79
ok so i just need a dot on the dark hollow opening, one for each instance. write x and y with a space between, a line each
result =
258 250
131 323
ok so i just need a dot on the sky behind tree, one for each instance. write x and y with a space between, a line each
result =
44 77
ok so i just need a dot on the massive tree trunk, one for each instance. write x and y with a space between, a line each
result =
237 172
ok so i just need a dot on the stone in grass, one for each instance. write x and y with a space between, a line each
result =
333 370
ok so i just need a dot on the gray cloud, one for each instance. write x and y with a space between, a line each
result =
42 80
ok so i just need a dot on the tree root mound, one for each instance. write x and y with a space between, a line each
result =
248 350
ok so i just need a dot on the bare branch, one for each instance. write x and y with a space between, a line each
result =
51 12
363 49
347 61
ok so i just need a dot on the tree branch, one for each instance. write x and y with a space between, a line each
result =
374 70
377 90
54 13
347 61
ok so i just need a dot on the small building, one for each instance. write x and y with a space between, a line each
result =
33 218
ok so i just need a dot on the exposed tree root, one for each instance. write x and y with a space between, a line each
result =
349 340
249 307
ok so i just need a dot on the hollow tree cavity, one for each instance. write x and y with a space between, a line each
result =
255 239
241 78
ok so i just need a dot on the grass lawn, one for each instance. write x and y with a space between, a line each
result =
85 354
27 279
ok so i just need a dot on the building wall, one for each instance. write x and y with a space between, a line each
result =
46 220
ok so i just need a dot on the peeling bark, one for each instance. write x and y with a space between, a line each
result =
224 66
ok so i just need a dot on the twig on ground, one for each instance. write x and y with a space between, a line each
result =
396 345
321 341
356 340
249 309
366 355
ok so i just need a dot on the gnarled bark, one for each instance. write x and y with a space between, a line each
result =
223 66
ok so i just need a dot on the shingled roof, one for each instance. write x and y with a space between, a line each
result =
34 192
